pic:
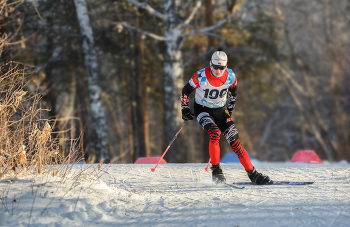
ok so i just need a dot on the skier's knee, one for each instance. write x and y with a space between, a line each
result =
214 134
231 134
205 121
237 147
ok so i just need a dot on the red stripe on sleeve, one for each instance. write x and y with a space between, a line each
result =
194 80
234 83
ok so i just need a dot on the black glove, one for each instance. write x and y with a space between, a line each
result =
186 114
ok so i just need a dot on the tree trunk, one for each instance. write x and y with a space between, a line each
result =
138 104
209 21
99 126
132 85
173 75
143 93
129 119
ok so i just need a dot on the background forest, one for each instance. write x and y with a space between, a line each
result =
111 72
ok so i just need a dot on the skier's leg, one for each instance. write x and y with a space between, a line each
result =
232 137
214 148
208 124
229 130
243 156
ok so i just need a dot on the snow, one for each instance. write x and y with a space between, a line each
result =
180 195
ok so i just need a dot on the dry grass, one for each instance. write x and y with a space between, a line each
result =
28 150
26 144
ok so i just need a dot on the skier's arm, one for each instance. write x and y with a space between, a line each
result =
231 98
185 94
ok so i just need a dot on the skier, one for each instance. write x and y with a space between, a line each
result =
212 85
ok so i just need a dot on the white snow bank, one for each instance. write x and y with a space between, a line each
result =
182 195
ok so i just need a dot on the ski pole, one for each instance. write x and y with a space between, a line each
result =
207 168
153 169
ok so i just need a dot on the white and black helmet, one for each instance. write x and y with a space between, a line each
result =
219 58
218 61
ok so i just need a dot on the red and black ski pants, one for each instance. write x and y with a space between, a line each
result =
216 121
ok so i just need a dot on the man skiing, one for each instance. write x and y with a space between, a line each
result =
215 97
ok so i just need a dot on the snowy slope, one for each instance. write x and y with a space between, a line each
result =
182 195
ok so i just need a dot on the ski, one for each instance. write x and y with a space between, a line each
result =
275 183
233 186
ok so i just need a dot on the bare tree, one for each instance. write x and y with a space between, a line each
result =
175 21
96 104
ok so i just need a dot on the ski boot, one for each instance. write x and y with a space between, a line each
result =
257 177
217 174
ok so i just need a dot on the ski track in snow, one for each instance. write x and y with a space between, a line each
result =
183 195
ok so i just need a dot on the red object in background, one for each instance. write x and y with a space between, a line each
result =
150 160
306 156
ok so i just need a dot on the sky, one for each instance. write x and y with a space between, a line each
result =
178 195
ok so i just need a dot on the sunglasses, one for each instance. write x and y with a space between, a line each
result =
216 67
